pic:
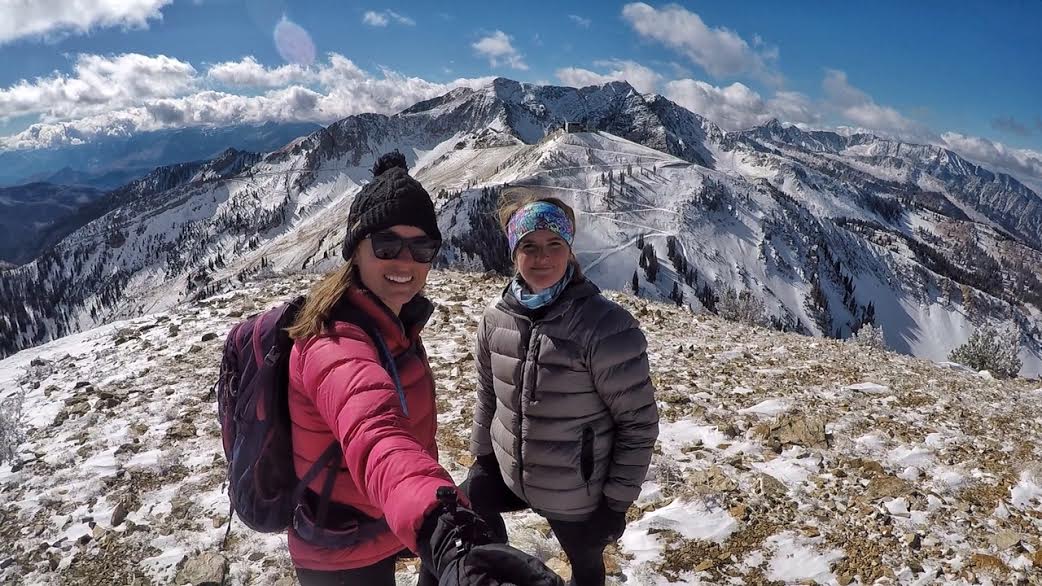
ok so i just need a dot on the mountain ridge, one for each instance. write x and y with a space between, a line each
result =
827 241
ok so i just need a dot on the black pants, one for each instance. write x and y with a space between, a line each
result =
489 497
379 574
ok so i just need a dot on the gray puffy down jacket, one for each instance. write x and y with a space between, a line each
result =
565 401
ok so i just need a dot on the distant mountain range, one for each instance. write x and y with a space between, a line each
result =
827 231
35 216
113 161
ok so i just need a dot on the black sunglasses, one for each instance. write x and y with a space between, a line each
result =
387 245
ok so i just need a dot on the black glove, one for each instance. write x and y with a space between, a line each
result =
498 564
454 545
607 524
485 466
484 478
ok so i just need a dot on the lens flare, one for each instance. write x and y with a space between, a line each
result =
294 43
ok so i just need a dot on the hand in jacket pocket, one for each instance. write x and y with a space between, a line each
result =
606 524
485 466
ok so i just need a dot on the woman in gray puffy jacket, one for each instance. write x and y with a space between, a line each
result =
566 419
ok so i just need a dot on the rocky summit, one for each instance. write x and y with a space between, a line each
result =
782 458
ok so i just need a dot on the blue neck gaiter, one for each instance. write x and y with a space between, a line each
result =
543 298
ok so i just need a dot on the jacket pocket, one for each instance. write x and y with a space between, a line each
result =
586 454
533 365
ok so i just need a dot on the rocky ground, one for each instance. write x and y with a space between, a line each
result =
782 458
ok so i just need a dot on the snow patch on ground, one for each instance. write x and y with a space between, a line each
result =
1027 492
795 558
769 407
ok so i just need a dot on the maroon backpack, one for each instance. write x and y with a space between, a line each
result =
253 408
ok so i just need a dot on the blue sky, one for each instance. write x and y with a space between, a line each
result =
960 74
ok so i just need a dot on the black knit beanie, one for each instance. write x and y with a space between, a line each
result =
391 198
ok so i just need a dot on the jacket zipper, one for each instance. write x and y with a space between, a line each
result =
534 365
521 408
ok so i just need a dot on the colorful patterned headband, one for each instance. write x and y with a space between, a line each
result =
539 215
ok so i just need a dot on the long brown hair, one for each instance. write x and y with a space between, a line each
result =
321 299
513 198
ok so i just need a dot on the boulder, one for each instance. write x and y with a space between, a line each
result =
119 514
181 430
771 486
795 429
988 563
205 569
561 567
1004 540
887 486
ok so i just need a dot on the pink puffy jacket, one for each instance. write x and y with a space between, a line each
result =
339 390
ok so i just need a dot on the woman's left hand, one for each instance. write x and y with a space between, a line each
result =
607 525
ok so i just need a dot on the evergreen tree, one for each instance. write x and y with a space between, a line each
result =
870 336
992 350
635 283
677 295
651 262
707 297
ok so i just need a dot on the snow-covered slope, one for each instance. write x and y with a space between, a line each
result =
781 458
924 173
732 233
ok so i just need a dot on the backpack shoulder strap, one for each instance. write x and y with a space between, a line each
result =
386 359
330 458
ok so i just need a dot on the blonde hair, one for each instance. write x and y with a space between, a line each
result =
514 198
321 299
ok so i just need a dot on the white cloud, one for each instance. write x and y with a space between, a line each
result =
1025 164
793 107
580 21
98 83
249 73
640 77
340 70
374 18
498 48
401 19
859 108
721 52
737 106
42 18
327 92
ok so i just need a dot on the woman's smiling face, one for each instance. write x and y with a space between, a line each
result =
542 259
395 281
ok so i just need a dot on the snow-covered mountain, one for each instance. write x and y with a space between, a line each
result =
106 162
827 231
928 175
781 459
37 215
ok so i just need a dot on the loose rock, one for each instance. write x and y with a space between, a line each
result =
205 569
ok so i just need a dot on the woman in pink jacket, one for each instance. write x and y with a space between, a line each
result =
382 496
